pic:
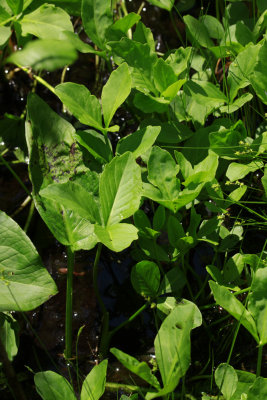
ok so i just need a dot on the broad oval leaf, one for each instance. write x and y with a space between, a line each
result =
94 384
46 22
24 282
198 32
116 237
172 343
258 391
139 142
51 386
145 278
162 171
96 143
45 54
226 379
79 101
120 189
9 328
74 197
234 307
5 33
141 369
115 92
257 303
96 17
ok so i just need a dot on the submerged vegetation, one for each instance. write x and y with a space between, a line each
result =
163 161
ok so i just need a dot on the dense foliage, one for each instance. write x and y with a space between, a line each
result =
185 177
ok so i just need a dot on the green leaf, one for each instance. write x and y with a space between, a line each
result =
5 33
96 18
51 385
145 278
197 31
116 237
165 4
5 13
122 26
175 230
241 68
94 384
151 249
46 22
141 369
257 303
159 218
141 220
226 379
258 76
98 145
120 189
144 35
15 5
234 307
226 142
173 282
238 103
74 197
24 282
138 142
258 391
233 268
9 334
115 92
245 381
140 59
172 343
202 99
78 44
55 157
238 36
262 6
237 171
150 104
264 181
162 171
164 75
179 60
84 106
45 54
214 27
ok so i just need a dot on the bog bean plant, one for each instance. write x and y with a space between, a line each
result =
191 175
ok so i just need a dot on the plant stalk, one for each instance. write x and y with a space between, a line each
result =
69 295
15 175
259 360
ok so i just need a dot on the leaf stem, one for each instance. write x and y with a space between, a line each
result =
69 294
259 360
15 175
38 79
130 319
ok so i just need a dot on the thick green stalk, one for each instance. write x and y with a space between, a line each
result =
259 361
69 292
